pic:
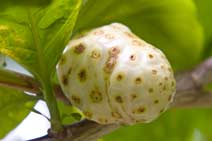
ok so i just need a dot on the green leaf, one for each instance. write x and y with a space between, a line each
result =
35 33
14 107
175 125
69 114
171 25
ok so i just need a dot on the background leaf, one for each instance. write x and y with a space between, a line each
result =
14 107
175 125
204 9
35 34
171 25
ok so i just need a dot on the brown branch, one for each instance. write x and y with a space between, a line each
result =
23 82
189 94
18 81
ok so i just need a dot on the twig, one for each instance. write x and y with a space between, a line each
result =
23 82
190 85
18 81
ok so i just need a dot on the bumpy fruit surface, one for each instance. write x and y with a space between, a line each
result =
115 77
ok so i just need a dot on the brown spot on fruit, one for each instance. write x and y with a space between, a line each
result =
69 71
116 115
169 69
64 80
160 84
133 96
132 57
111 61
82 75
110 64
76 99
162 66
95 54
139 110
114 51
151 90
63 60
96 96
88 114
154 72
162 110
79 48
166 78
119 77
119 99
156 101
151 56
138 80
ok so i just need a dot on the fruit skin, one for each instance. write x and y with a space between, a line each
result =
115 77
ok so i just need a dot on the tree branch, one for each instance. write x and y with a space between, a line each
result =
23 82
84 130
18 81
189 93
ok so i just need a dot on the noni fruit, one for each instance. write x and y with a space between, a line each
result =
113 76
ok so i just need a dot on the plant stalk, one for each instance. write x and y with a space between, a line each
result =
49 96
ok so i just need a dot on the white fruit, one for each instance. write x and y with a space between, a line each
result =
115 77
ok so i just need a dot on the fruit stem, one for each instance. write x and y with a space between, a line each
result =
49 95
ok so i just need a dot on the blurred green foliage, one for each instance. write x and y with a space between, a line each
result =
175 125
14 107
204 10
